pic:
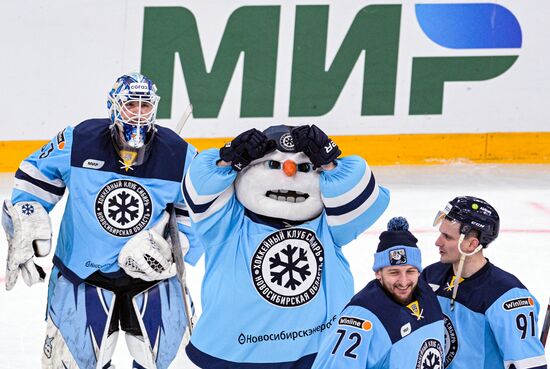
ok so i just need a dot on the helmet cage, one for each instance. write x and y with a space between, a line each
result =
132 105
472 214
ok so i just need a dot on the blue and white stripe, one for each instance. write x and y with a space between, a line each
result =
182 214
350 205
202 206
538 362
30 179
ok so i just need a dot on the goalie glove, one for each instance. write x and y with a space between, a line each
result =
148 255
313 142
29 233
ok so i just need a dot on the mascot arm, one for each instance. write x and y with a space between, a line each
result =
352 198
209 194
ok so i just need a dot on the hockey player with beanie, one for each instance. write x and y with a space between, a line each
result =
113 264
490 316
395 322
274 210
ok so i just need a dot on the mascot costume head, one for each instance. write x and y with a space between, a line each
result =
283 183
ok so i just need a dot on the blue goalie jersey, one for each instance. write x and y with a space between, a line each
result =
272 288
108 202
374 332
494 321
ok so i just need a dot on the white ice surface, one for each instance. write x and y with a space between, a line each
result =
520 193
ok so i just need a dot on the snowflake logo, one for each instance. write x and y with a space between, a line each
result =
123 208
432 361
27 209
430 354
287 267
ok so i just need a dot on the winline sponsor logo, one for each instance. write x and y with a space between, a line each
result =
518 303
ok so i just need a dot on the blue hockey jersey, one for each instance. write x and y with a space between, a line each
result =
373 331
107 202
272 288
494 321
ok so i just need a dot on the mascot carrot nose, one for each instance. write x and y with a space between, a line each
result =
289 168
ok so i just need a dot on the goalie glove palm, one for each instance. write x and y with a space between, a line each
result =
28 230
313 142
246 147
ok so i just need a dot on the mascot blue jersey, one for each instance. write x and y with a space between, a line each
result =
494 321
272 288
373 331
108 202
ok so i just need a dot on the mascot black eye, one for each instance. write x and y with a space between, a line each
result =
274 164
304 167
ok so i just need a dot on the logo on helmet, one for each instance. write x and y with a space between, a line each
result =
139 87
286 142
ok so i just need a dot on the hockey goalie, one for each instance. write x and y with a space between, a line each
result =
113 266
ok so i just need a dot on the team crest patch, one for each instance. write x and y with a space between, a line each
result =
518 303
123 208
286 142
416 310
430 354
398 257
287 267
451 340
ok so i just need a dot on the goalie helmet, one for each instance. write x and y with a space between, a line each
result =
132 105
473 214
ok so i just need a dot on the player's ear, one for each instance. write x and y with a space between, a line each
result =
378 275
473 243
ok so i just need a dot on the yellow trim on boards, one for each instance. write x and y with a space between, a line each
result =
416 149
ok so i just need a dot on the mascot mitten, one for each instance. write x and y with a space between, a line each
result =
320 149
244 148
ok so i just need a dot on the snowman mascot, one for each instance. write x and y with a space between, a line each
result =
274 210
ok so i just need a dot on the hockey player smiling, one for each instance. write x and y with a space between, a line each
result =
399 282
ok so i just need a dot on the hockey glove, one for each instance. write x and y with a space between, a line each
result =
29 232
313 142
148 255
246 147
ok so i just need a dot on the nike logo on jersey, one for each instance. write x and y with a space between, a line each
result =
93 164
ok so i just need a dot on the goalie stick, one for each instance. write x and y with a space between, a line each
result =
174 236
545 325
180 263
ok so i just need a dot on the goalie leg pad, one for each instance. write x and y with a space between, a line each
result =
161 315
78 326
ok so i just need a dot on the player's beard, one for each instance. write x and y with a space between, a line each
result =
393 291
